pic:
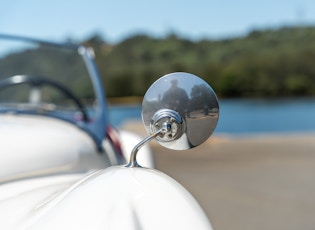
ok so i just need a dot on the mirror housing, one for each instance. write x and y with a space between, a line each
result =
184 107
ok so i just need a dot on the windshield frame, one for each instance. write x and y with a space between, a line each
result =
97 126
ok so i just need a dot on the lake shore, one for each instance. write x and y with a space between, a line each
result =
246 182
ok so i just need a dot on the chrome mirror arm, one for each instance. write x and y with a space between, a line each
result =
133 156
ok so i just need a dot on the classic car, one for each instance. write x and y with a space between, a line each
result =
63 166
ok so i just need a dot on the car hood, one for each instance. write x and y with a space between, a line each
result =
114 198
31 145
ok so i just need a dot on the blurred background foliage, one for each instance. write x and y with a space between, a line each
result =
265 63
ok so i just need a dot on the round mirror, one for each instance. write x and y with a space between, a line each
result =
186 104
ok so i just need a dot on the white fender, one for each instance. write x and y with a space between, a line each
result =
121 198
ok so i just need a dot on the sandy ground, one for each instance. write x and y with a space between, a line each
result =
257 182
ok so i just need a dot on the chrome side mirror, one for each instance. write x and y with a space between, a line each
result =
187 104
180 111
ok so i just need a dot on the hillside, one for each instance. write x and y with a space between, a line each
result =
269 63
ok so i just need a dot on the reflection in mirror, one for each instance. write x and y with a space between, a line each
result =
192 98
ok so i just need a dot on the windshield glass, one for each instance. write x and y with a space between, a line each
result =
57 79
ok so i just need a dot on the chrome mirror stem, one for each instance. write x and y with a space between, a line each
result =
133 157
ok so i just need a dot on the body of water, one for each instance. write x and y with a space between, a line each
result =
246 116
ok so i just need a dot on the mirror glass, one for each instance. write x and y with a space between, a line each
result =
189 96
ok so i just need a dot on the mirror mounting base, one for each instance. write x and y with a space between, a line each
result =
166 125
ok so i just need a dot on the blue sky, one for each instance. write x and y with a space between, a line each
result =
118 19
